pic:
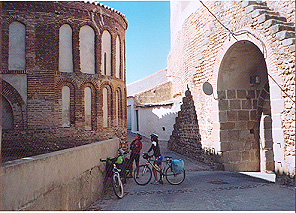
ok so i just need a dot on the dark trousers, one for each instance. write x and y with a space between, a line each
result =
134 157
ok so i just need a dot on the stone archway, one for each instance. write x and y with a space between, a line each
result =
7 114
14 108
242 80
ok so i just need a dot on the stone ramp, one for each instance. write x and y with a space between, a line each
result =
189 164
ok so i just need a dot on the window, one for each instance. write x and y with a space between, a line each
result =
7 114
106 53
137 120
123 62
65 49
87 50
17 46
117 73
87 107
118 108
65 106
105 107
105 63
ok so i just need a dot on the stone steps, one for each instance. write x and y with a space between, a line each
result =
251 8
272 22
264 17
277 25
247 3
259 12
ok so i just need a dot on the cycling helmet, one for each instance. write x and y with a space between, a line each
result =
154 135
121 152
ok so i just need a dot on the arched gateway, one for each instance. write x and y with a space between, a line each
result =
243 92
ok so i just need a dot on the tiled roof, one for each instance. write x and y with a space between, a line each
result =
107 7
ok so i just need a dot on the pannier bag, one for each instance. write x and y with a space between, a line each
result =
109 164
178 166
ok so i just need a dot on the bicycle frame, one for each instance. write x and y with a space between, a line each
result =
145 172
167 163
116 179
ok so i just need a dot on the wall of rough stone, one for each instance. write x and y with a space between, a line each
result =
186 139
198 51
157 94
39 113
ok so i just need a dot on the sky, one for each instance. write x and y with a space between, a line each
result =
147 37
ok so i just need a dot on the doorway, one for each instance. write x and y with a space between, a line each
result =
243 93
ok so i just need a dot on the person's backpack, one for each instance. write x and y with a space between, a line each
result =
178 166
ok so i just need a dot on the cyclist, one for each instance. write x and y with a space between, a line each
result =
136 147
157 155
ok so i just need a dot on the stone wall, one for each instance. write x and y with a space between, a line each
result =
202 46
38 112
186 139
158 94
65 180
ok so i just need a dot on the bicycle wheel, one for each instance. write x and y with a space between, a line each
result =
117 185
174 179
145 175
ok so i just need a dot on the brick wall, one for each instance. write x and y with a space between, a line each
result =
41 117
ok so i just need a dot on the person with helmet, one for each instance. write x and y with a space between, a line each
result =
136 147
157 155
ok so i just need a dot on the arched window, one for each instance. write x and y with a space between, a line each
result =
17 46
87 107
117 72
106 53
118 108
105 63
105 107
65 49
87 50
123 61
65 106
7 114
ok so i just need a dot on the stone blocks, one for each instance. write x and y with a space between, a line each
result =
186 139
253 100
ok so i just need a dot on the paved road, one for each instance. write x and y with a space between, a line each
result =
202 190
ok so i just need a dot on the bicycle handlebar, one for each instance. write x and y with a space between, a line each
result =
103 160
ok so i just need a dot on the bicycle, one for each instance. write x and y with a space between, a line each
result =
145 172
116 180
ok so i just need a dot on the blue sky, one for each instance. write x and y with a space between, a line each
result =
147 36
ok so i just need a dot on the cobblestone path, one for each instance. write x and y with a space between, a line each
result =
202 190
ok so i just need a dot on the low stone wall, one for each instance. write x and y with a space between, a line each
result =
69 179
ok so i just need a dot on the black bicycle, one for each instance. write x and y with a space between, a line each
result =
116 180
145 172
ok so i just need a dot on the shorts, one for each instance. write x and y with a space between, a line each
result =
160 159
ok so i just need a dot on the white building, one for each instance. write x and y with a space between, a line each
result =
150 108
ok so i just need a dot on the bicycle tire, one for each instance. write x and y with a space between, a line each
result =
174 179
117 185
145 175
